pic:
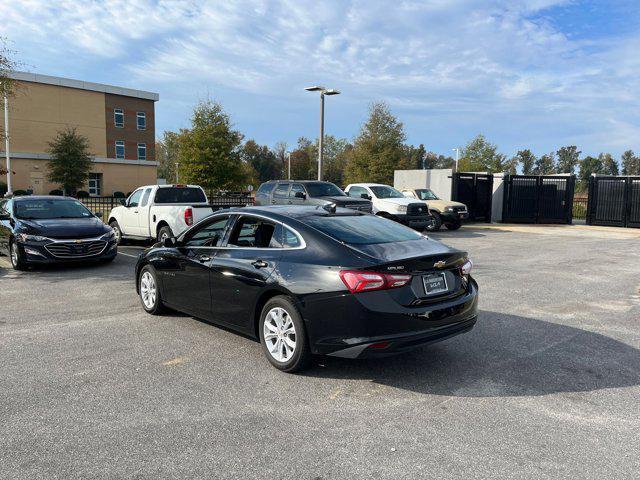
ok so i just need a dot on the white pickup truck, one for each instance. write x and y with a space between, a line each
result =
159 211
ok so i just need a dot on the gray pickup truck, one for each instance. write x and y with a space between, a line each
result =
308 192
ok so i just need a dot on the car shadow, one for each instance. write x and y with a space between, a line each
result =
504 355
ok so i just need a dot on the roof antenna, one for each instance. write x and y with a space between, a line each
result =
330 207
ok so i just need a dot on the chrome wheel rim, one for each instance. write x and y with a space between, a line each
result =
279 334
116 230
164 236
14 254
148 290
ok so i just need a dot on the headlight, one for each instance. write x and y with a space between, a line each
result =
448 209
110 235
32 238
402 209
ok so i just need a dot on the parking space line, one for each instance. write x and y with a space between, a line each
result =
127 255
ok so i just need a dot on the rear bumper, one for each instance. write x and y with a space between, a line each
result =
371 324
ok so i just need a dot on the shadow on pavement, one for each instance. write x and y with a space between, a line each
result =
504 355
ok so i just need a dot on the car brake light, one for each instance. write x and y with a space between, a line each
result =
466 267
188 216
365 281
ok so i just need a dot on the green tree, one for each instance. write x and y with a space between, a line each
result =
303 162
481 156
527 160
588 166
209 152
609 164
280 151
167 153
70 162
334 158
545 165
7 65
262 160
630 163
568 159
378 149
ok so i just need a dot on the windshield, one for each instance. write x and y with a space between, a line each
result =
426 194
323 189
49 208
180 195
362 229
382 191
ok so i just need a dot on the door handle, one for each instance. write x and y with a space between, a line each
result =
204 258
135 211
260 264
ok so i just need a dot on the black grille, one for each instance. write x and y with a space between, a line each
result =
459 209
76 249
417 209
366 207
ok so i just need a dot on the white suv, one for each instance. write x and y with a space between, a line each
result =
389 202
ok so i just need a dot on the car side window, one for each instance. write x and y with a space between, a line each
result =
251 232
296 187
134 199
281 190
265 188
356 192
145 197
209 235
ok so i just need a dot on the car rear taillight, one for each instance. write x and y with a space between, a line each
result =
188 216
364 281
466 267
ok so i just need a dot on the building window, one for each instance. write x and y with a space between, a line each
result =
119 148
118 117
142 151
142 120
95 184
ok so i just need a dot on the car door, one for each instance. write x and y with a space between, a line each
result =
280 194
243 268
5 226
143 214
297 188
184 269
130 215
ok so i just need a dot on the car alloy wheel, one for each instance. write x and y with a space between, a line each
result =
148 290
14 255
279 334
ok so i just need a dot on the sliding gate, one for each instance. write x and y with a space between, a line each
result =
614 201
475 190
538 199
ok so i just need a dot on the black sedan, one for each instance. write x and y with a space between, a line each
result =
313 280
48 229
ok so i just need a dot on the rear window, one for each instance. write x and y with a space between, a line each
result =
362 229
180 195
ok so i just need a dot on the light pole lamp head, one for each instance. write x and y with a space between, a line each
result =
315 88
331 91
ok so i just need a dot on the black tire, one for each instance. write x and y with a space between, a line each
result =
453 225
116 228
17 258
156 307
164 232
301 356
435 225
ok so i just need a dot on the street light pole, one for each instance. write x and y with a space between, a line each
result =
6 144
288 165
177 172
323 91
457 150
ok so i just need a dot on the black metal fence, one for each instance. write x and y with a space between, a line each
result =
538 199
614 201
475 190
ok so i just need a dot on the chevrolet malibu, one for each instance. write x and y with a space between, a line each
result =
312 280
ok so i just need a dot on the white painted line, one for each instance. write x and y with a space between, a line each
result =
128 255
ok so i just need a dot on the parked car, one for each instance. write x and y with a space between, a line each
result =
307 192
50 229
308 280
446 212
159 211
390 203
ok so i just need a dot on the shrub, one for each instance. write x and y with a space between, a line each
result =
18 193
82 194
3 189
59 193
118 195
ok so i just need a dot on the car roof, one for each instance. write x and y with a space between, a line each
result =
41 197
297 181
368 185
293 211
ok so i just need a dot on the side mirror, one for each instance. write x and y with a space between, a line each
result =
366 196
98 214
123 202
169 242
301 195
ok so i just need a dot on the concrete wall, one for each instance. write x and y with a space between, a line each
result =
438 180
497 199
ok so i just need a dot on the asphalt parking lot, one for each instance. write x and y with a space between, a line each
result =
546 386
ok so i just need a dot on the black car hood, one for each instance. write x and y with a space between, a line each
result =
409 252
347 199
65 227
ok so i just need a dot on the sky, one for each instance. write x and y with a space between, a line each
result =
536 74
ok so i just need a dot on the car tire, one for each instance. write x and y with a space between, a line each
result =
17 260
281 318
453 225
116 228
164 232
435 225
149 291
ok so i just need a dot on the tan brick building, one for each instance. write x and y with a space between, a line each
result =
119 123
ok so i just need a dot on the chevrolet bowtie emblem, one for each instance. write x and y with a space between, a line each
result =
439 264
78 241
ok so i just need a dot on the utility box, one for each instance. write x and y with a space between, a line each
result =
436 180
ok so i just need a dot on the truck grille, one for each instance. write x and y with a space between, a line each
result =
417 209
459 209
359 207
76 249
